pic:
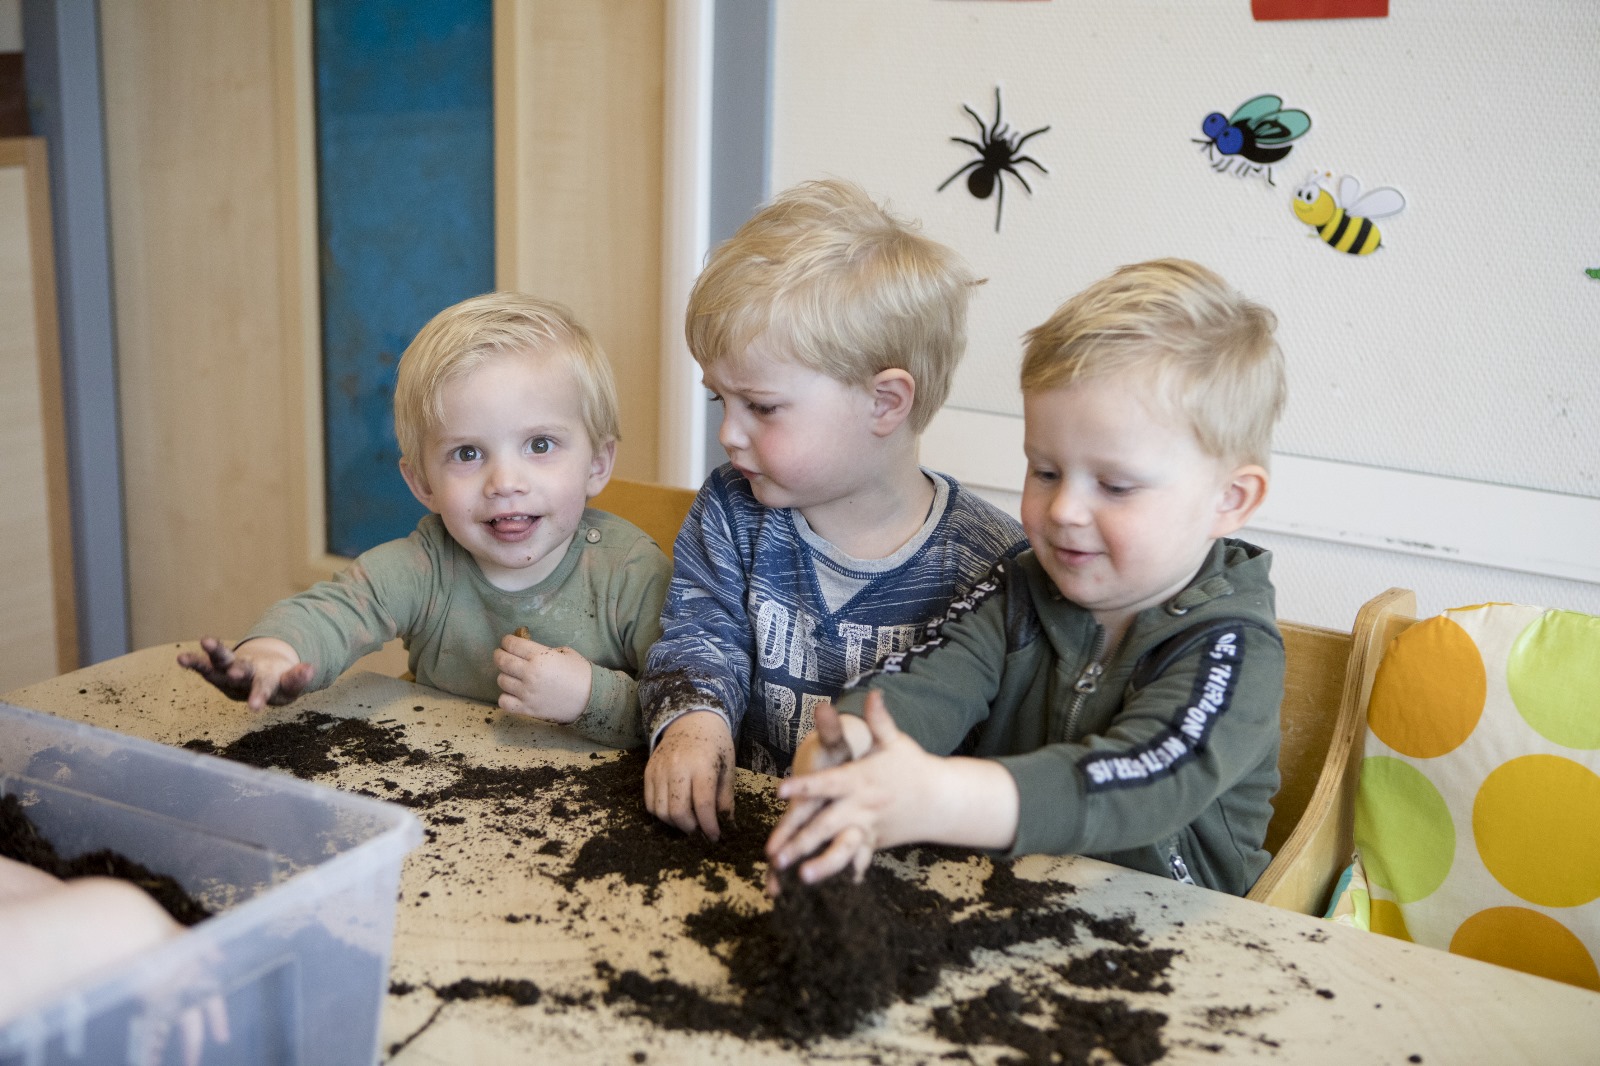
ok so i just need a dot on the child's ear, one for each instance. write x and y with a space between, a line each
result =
600 467
892 390
417 482
1242 493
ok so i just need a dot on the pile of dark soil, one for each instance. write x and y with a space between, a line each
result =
826 957
819 962
20 840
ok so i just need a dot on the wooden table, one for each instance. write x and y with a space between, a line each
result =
1248 983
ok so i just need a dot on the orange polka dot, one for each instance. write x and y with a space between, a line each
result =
1526 940
1429 691
1387 918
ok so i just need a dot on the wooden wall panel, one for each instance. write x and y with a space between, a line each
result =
211 210
38 624
578 100
192 159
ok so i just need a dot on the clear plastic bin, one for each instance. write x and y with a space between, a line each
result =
303 878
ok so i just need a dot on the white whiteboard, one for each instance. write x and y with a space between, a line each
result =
1466 350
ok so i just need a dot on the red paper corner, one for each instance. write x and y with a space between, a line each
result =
1272 10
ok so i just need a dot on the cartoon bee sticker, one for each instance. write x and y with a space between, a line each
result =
1345 221
1259 133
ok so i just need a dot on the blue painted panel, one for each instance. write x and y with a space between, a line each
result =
405 186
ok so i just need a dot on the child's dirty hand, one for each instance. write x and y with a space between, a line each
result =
688 781
834 740
540 681
261 671
891 792
845 808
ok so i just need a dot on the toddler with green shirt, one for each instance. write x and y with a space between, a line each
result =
506 415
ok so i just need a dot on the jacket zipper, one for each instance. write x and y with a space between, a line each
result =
1088 680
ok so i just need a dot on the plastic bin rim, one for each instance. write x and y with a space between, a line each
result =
392 814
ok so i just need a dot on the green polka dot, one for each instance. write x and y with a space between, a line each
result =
1553 673
1403 829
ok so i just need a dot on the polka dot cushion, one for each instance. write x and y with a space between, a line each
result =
1478 814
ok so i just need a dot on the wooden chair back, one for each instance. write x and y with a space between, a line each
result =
659 510
1327 683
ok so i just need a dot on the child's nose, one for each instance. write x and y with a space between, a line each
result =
1067 507
505 478
730 435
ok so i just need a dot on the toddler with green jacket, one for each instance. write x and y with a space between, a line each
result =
1115 690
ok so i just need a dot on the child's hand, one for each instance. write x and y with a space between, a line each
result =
853 806
835 741
540 681
688 781
57 933
891 793
260 671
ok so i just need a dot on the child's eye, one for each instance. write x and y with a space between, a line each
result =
1043 476
762 409
1117 488
541 445
466 453
713 397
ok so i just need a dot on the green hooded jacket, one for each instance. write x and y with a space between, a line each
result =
1160 755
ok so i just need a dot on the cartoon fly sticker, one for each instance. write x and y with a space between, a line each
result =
1345 221
1260 132
999 151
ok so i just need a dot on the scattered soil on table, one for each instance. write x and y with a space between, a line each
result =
645 851
1048 1026
634 844
521 992
1124 969
826 957
314 743
818 962
20 840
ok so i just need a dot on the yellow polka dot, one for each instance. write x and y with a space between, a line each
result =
1537 823
1553 673
1429 690
1403 828
1528 941
1388 920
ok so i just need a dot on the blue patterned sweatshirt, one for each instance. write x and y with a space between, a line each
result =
747 630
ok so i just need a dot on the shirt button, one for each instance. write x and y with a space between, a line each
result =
593 536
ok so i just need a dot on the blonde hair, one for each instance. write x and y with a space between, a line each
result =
463 336
842 287
1209 352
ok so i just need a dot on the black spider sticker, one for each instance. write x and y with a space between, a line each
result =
998 149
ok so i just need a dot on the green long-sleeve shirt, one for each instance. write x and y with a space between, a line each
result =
603 601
